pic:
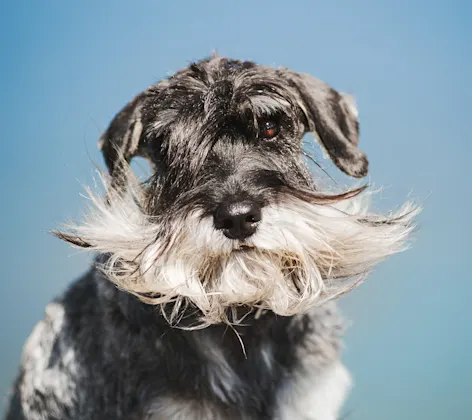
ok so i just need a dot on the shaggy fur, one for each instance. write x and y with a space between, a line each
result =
304 253
178 318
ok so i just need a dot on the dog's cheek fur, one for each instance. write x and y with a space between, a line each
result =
303 254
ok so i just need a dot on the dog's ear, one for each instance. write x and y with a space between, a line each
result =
123 139
333 117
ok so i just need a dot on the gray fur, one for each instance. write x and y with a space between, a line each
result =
177 319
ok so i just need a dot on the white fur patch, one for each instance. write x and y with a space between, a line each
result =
315 395
41 376
302 254
168 408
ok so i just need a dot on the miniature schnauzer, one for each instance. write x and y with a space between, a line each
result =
211 296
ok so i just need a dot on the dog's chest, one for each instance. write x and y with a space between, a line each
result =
309 394
223 384
293 371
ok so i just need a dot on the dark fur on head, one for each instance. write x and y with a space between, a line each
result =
179 123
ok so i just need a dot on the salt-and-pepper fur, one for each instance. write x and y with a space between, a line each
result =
177 321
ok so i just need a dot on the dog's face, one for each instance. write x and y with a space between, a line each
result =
231 216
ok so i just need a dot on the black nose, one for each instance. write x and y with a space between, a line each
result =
238 220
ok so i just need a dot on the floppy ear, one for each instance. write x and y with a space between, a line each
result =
333 117
123 139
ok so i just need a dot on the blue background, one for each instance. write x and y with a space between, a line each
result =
68 67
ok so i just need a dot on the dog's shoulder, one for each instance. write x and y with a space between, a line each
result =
51 366
317 334
318 382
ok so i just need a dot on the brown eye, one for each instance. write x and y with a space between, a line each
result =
268 129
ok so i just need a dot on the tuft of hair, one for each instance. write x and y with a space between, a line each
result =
305 252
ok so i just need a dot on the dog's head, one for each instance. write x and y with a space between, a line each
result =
231 216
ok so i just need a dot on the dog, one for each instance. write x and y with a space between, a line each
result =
212 293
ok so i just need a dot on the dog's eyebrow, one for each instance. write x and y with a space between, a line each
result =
265 104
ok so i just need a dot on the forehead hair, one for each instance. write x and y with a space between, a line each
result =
185 115
216 92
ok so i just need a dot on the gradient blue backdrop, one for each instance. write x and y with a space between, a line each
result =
67 67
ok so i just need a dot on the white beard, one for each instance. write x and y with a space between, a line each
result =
301 255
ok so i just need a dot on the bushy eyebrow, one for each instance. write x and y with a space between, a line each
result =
264 104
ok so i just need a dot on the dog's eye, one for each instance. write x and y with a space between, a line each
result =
268 129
